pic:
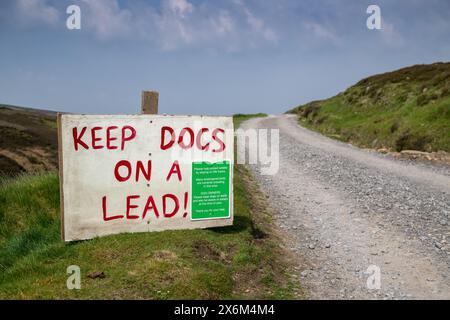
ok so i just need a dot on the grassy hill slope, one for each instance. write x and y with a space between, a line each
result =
28 140
408 109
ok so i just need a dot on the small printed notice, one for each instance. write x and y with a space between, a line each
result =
210 190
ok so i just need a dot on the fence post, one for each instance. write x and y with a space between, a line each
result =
149 104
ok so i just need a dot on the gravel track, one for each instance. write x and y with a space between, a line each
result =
344 209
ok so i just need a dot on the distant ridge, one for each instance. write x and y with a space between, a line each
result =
28 140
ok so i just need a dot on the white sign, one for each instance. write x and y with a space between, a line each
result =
140 173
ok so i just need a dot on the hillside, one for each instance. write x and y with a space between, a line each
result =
408 109
28 140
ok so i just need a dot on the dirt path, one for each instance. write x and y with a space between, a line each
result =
345 209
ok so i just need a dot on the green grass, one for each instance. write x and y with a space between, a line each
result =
239 118
400 110
220 263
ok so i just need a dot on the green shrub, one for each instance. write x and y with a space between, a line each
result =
321 120
395 126
410 141
311 109
422 100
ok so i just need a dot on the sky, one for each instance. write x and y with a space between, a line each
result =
207 57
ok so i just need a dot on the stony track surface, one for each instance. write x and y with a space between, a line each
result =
344 209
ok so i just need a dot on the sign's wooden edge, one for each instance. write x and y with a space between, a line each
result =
233 142
61 175
231 218
119 116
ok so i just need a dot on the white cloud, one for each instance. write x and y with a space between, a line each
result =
223 24
171 24
390 35
175 23
256 24
36 11
180 7
321 32
106 18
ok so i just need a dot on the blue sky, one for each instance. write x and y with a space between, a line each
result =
207 57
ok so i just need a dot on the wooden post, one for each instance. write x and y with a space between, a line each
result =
149 102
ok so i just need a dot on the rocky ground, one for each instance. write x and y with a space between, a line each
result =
345 209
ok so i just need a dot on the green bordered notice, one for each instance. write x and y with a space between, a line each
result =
210 190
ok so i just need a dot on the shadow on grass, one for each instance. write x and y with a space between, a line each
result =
239 224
